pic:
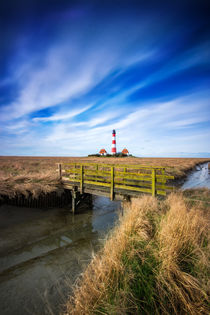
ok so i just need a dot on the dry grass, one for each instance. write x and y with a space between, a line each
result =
182 238
155 262
35 174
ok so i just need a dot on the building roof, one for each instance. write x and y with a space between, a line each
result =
125 151
102 151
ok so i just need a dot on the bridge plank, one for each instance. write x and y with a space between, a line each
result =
113 179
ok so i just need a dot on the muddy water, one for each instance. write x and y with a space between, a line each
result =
42 252
200 177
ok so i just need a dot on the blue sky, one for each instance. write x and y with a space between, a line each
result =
71 71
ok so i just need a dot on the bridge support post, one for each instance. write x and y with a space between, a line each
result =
59 171
81 178
73 195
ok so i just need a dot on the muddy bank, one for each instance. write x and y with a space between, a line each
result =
28 224
41 249
198 178
180 180
58 198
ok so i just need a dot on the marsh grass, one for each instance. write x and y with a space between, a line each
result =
34 174
154 262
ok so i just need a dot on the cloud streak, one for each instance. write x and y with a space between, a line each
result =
93 68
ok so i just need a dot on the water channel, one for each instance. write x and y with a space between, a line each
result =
42 251
198 178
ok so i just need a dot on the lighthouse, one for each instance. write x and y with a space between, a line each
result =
114 151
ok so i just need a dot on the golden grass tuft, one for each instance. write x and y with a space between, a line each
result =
105 270
154 262
182 236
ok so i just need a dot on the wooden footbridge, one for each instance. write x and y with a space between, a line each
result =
115 181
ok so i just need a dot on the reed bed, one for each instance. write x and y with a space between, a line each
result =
38 174
154 262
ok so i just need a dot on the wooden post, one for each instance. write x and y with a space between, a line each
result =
112 183
59 171
153 182
96 173
124 180
73 195
82 178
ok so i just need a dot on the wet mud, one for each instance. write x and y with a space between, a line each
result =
198 178
43 251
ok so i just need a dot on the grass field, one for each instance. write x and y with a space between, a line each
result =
38 174
156 261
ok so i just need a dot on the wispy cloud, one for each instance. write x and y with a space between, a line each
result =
160 123
91 69
62 116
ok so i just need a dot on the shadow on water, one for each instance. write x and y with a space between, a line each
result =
199 178
42 254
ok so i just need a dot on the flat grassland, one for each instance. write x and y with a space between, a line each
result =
155 261
38 174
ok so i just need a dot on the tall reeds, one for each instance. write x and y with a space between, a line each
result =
154 262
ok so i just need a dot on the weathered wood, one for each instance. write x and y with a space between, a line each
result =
82 178
130 166
60 171
73 195
138 189
97 178
97 183
116 180
112 184
153 182
135 178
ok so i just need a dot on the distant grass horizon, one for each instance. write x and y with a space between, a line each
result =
24 174
206 155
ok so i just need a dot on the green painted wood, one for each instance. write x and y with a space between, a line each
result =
97 179
138 178
164 187
96 183
130 166
161 192
165 176
133 183
81 178
153 182
99 172
140 189
112 183
147 178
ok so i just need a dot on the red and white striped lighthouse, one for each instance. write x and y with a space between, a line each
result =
114 151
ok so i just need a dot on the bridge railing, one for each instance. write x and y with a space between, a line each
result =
136 178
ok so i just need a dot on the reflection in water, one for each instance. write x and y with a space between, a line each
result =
198 178
33 275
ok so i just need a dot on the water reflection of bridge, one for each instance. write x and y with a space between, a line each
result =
114 181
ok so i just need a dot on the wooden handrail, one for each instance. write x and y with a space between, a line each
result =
153 181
